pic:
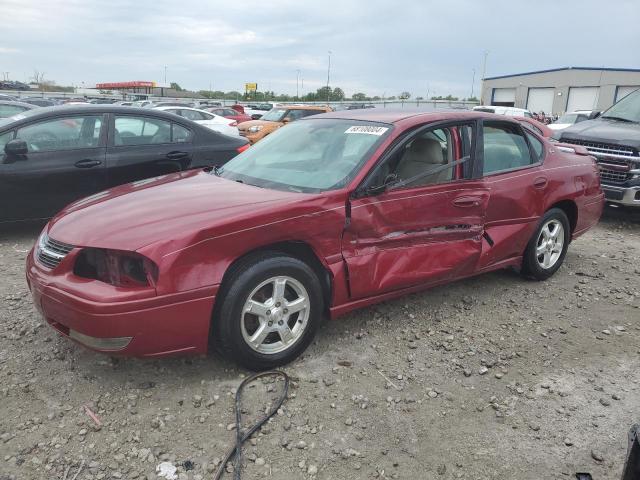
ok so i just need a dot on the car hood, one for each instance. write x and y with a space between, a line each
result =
264 123
168 209
602 130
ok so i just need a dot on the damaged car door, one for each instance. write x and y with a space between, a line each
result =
418 218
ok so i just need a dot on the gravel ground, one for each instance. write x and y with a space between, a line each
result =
494 377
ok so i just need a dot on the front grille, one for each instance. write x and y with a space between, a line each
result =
612 160
51 252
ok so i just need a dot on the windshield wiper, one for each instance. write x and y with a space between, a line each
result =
217 170
622 119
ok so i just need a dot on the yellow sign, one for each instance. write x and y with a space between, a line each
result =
250 87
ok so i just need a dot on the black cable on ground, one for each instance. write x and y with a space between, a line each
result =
241 436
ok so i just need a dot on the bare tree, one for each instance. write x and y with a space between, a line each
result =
38 77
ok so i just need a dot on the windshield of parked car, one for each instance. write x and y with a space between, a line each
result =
274 115
627 109
308 156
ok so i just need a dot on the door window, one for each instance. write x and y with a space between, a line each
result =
505 148
180 134
536 144
131 130
428 159
192 115
62 134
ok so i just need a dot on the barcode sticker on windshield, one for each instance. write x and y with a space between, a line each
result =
368 129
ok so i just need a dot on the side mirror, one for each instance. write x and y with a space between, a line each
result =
594 114
378 189
16 147
256 116
286 120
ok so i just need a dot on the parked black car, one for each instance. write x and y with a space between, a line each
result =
614 139
52 156
9 108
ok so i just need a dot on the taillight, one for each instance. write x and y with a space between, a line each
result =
117 268
243 148
233 124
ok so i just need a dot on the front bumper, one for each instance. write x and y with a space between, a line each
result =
629 196
158 326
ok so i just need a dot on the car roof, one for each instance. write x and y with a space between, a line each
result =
393 116
18 104
88 108
322 108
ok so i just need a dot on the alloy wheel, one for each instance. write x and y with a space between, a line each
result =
550 244
275 315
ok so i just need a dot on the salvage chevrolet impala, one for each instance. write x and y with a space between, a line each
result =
331 213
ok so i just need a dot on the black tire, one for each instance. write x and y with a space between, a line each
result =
531 267
241 280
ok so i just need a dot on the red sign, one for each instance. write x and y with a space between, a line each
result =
134 84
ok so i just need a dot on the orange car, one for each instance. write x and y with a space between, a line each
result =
275 118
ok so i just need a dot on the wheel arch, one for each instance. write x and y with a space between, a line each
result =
570 209
299 249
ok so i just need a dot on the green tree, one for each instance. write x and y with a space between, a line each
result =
360 97
176 87
323 93
473 99
337 94
405 95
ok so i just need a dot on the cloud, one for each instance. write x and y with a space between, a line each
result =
378 46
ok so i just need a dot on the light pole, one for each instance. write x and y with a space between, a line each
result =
297 81
484 72
165 74
472 82
328 76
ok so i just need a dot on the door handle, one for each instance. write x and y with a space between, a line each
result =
540 182
87 163
467 201
176 155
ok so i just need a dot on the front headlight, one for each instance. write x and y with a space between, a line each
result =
255 128
117 268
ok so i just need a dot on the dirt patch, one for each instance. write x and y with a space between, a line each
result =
493 377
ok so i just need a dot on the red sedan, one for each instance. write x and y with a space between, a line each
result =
335 212
230 113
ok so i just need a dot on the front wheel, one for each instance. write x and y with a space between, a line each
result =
548 246
270 310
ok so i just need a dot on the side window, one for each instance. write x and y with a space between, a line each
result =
180 134
531 127
229 112
192 115
537 146
205 116
505 148
62 134
431 158
131 130
293 115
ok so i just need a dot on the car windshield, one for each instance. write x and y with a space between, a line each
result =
627 109
308 156
275 115
568 118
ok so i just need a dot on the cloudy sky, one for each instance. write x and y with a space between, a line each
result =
378 47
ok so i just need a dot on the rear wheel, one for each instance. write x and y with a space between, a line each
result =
548 246
270 310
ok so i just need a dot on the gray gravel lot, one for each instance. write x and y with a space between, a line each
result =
494 377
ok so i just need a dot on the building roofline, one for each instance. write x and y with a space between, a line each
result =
565 68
